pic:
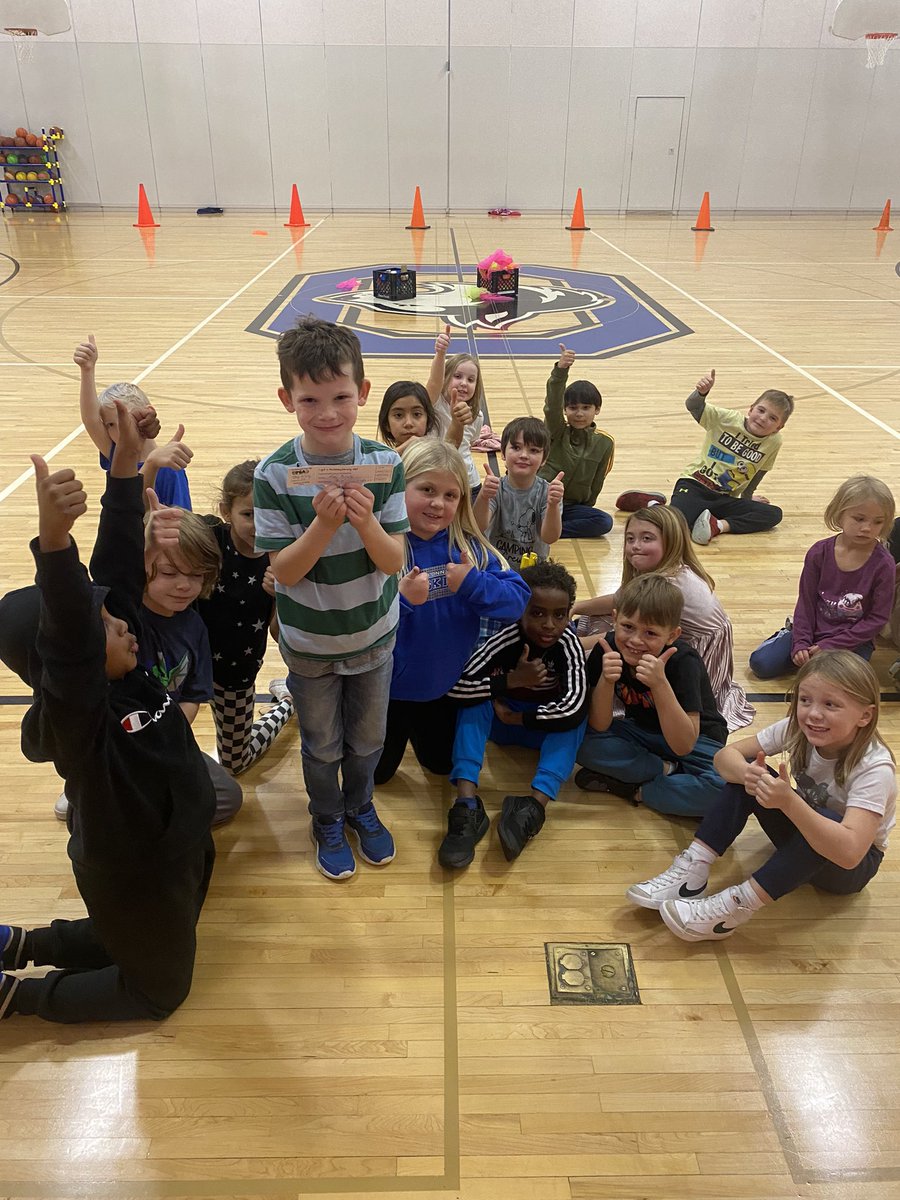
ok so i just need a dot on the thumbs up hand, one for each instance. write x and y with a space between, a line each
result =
566 357
611 665
61 501
754 772
163 525
556 490
652 670
775 791
705 382
174 453
442 341
528 672
85 354
491 485
456 572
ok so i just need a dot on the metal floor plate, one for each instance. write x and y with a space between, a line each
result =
591 973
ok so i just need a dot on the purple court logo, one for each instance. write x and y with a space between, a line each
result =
597 316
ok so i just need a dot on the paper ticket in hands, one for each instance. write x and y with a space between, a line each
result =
344 475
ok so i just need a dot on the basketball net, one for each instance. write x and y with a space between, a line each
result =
23 42
877 46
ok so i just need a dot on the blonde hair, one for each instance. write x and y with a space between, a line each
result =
853 675
858 490
421 455
477 402
678 549
199 549
129 393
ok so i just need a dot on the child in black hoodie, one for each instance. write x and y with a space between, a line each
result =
140 796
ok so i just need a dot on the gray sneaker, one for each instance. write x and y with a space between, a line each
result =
684 880
61 807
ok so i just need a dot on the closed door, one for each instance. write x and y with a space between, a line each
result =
654 153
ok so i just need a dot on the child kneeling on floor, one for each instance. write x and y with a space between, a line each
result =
525 686
661 752
829 827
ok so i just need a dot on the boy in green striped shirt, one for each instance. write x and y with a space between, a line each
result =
335 552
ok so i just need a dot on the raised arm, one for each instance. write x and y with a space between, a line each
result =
85 356
696 401
435 383
118 558
554 401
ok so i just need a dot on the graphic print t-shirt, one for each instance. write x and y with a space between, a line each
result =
730 456
516 518
175 651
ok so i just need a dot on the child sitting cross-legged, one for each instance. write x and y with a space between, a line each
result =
525 686
522 513
661 752
829 826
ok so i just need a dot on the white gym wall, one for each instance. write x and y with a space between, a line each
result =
230 101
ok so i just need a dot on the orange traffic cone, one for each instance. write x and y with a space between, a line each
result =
145 216
578 215
296 220
417 220
703 225
884 225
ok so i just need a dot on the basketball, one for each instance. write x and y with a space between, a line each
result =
42 175
48 198
31 175
12 199
34 158
20 141
12 158
20 175
9 176
20 132
6 141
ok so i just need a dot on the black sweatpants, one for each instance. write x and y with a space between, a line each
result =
132 958
743 516
429 724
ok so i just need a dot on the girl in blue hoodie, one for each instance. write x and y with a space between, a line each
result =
453 578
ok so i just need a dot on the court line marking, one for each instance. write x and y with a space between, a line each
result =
142 375
750 338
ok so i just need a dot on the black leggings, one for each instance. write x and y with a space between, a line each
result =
429 724
743 516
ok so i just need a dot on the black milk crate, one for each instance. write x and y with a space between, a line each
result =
394 283
500 283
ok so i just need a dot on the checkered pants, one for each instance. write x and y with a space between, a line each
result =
240 740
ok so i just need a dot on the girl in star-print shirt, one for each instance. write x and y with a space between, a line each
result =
238 616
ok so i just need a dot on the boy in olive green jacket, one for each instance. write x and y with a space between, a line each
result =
578 448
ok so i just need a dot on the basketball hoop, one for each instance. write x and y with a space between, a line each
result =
877 46
24 44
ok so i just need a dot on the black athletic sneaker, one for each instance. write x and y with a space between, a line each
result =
595 781
521 819
466 826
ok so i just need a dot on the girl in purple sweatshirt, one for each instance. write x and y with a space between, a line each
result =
847 586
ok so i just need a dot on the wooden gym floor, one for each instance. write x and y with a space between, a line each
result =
393 1037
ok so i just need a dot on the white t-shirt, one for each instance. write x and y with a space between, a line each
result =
470 433
872 784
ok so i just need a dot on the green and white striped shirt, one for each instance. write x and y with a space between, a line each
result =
344 605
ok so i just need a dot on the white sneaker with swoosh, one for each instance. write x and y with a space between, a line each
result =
707 920
685 879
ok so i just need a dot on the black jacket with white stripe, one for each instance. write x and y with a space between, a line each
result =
560 703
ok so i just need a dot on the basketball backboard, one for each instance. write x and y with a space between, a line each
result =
46 16
855 18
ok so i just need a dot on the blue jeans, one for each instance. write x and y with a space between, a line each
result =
342 723
773 656
583 521
794 861
476 724
634 755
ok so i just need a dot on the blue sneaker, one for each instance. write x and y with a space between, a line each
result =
12 943
375 842
334 858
